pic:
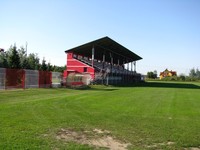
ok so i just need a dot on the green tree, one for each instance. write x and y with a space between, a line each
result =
155 74
3 60
59 68
44 65
152 75
13 58
192 73
23 58
33 61
49 67
198 74
182 77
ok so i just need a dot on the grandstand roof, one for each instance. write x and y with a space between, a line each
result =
108 47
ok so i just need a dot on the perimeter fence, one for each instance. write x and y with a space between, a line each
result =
24 78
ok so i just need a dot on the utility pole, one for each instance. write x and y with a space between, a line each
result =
26 48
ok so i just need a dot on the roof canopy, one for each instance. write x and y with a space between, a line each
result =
108 47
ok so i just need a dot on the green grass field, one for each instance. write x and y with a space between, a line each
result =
147 115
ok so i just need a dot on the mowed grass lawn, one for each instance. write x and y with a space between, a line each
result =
147 115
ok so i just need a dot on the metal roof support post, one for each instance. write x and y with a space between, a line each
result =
111 69
93 56
103 66
131 66
123 65
135 66
103 60
111 63
127 71
107 79
128 66
118 63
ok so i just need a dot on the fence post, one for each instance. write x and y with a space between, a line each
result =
23 79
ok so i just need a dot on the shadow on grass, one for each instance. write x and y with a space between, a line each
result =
98 88
163 85
156 84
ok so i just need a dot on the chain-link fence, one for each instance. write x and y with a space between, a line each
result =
31 79
24 78
2 78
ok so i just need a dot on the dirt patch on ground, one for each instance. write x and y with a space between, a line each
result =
156 145
192 148
97 138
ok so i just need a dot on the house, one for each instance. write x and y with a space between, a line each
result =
167 73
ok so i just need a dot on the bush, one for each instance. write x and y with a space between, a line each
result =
181 78
172 78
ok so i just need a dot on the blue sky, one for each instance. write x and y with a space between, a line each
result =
166 33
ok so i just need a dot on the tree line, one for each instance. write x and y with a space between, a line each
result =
18 59
194 75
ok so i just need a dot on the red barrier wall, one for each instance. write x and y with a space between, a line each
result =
15 78
45 79
74 65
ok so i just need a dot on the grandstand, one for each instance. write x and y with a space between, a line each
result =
104 61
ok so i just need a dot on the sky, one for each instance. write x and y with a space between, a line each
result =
165 33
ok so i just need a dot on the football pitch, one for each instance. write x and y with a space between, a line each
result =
152 115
